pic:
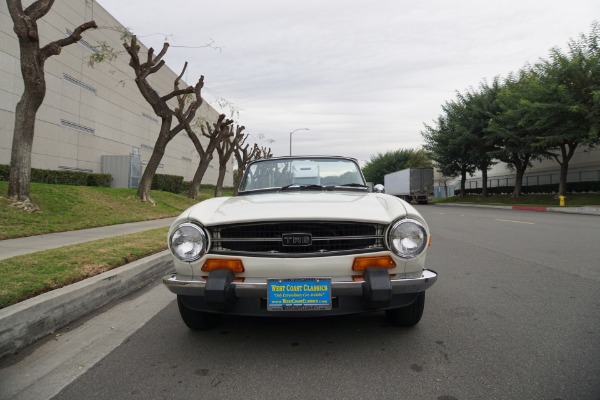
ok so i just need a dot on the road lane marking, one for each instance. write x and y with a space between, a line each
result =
516 222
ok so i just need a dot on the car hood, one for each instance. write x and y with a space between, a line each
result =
288 206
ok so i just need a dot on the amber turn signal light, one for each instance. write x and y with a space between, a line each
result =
215 263
360 263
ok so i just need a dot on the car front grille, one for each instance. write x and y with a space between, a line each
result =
288 239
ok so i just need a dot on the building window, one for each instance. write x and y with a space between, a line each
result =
78 127
89 171
77 82
151 118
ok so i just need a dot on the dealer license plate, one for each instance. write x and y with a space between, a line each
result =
299 294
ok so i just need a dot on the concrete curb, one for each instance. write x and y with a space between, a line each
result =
576 210
565 210
25 322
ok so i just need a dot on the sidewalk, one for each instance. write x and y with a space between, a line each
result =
16 247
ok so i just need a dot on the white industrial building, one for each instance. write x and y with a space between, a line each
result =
583 167
90 112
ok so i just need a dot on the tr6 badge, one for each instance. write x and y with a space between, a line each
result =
296 239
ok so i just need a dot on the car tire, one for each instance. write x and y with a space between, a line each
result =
409 315
197 320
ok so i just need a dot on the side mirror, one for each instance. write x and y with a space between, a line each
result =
378 188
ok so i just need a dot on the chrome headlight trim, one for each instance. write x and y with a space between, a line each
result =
188 242
407 238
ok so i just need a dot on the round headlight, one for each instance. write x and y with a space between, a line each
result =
188 242
407 238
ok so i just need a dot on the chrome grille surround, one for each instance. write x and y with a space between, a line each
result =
266 239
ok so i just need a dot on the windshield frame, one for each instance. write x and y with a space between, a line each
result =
308 185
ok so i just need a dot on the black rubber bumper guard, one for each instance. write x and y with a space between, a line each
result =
219 292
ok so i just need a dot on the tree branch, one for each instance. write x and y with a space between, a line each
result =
187 90
55 47
38 9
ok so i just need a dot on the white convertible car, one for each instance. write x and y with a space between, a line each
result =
302 238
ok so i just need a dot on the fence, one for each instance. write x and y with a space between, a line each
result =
537 179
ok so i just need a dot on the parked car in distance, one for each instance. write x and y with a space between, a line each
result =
302 238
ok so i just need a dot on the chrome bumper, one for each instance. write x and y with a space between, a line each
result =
189 287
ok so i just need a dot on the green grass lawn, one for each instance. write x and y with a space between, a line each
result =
26 276
66 208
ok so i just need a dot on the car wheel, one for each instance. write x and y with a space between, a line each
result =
409 315
197 320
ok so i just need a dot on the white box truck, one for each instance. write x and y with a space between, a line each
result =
410 184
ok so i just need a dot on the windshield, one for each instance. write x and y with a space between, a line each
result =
302 173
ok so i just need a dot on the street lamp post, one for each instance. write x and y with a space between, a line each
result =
299 129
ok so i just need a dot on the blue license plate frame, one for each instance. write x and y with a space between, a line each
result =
299 294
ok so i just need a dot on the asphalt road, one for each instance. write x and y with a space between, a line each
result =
515 314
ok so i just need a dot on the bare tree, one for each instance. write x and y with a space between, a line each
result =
33 59
225 150
264 153
160 105
214 134
243 156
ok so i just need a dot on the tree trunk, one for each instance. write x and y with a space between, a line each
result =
220 180
32 69
520 167
200 171
562 183
463 181
518 183
567 150
20 162
484 180
143 192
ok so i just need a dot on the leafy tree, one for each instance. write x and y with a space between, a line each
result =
384 163
548 110
448 147
565 107
513 136
33 58
419 159
475 111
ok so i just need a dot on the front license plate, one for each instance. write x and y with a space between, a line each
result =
299 294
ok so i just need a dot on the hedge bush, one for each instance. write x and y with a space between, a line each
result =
75 178
4 172
99 180
572 187
168 183
204 186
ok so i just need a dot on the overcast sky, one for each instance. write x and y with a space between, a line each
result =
362 75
